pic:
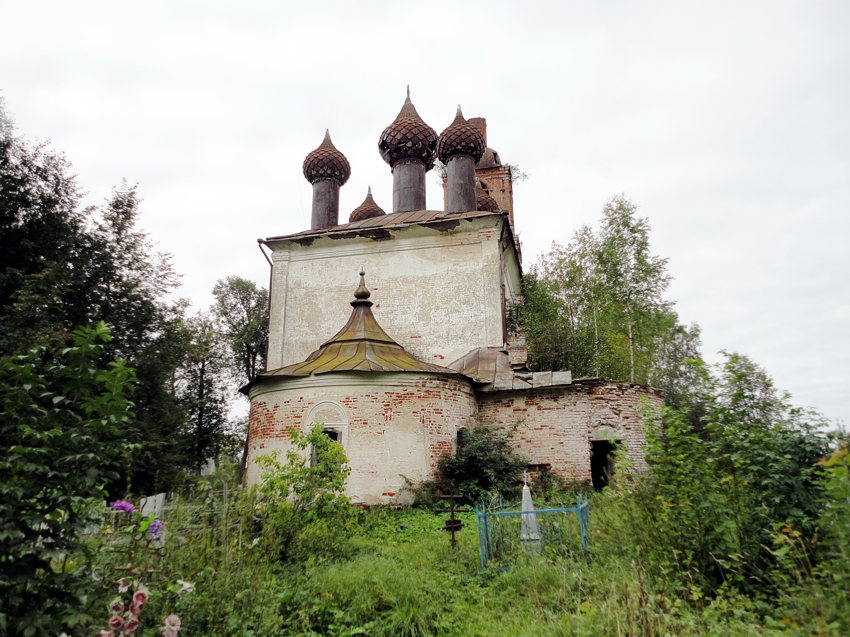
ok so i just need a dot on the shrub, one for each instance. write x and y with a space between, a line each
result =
62 416
485 462
717 491
306 513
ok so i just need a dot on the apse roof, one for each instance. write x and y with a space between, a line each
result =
361 345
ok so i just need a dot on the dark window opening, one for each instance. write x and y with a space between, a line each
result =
461 439
601 462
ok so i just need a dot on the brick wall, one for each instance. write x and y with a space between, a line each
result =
557 424
398 426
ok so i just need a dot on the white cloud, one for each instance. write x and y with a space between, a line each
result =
725 122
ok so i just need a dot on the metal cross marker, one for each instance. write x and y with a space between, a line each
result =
452 525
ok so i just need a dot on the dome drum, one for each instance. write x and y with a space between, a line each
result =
408 146
326 169
459 147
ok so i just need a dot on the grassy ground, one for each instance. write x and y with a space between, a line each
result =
405 579
395 574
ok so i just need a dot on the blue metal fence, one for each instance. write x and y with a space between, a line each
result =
563 530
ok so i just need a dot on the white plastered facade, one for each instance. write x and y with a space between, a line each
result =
439 290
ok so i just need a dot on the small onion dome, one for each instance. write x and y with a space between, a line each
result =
460 138
367 209
483 201
408 137
326 162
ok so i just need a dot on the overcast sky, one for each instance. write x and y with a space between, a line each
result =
726 123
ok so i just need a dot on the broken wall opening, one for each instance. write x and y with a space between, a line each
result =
602 462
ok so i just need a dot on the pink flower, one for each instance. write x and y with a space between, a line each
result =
116 606
131 625
106 633
124 584
141 594
116 623
170 626
135 609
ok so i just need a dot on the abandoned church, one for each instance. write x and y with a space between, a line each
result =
396 364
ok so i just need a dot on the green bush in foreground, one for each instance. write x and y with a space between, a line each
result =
705 513
62 417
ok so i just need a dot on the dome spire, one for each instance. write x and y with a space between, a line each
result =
362 292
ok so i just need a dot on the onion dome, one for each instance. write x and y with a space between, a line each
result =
367 209
326 162
460 138
408 137
484 201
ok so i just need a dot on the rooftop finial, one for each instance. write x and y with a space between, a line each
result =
362 293
408 91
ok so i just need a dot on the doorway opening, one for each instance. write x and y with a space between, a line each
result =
601 462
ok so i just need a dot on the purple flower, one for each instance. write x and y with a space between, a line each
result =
123 505
155 529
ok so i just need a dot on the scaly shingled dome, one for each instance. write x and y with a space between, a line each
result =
484 201
326 162
408 137
460 138
367 209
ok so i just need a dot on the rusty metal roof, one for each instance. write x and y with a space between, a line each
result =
389 221
491 366
362 345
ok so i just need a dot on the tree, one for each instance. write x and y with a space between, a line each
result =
61 267
203 392
44 249
241 310
633 280
597 307
62 419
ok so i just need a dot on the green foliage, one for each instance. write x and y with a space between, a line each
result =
597 307
220 581
306 513
202 391
485 463
241 310
716 492
834 524
62 419
62 266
